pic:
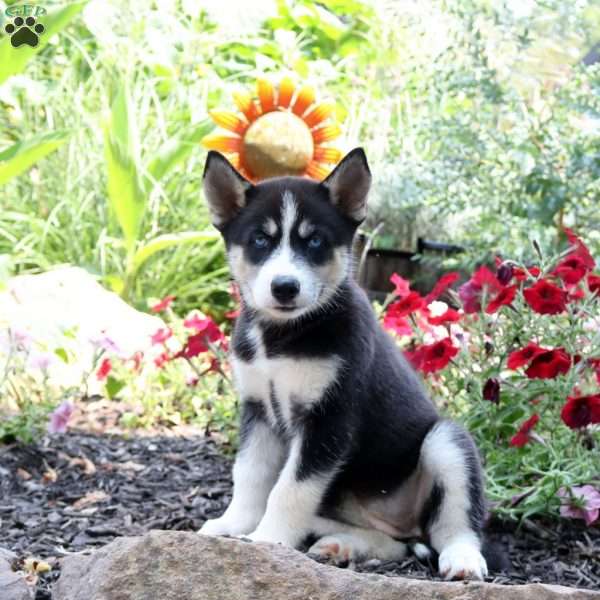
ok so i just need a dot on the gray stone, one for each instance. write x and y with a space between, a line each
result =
12 585
170 565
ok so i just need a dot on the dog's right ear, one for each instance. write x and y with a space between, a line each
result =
224 189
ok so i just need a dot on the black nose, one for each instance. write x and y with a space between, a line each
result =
285 288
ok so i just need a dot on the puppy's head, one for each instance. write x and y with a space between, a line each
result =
289 240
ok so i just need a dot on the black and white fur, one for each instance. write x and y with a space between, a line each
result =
338 437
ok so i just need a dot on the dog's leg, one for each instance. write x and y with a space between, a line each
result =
257 465
344 543
454 512
293 502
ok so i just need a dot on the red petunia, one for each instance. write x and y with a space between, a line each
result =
549 364
594 283
580 249
449 316
163 304
406 305
504 272
523 274
571 269
402 286
580 411
520 358
161 336
104 369
523 436
491 390
205 326
433 357
503 298
546 298
160 360
482 282
441 286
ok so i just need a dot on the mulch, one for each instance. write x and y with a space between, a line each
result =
81 490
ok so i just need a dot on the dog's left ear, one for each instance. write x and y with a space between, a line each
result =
349 184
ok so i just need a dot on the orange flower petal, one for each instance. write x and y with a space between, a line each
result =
246 104
234 159
306 96
228 120
319 114
286 91
222 143
327 155
266 95
324 134
316 171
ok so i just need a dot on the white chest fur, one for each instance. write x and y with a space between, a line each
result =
295 382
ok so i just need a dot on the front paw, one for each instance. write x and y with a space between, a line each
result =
462 561
273 537
226 526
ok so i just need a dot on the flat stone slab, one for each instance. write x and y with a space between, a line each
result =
172 565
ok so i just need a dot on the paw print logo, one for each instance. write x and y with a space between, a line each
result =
24 31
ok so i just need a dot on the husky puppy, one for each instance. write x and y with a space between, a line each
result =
339 440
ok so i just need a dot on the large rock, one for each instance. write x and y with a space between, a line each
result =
67 308
169 565
12 585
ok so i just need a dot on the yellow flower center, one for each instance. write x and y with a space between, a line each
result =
276 144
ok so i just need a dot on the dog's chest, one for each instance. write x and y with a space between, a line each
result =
286 385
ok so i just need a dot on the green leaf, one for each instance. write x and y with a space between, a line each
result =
62 354
22 155
125 193
169 240
113 386
14 60
175 151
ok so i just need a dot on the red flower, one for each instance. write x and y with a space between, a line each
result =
503 298
523 435
470 293
522 357
407 305
595 364
594 283
504 273
523 274
205 326
571 269
546 298
581 411
163 304
549 364
160 360
161 336
450 316
580 250
402 286
414 357
441 286
104 369
433 357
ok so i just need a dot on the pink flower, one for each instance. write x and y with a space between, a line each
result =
402 286
523 436
59 418
163 304
161 336
580 502
441 286
398 324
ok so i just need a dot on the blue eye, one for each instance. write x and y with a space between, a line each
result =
315 241
260 240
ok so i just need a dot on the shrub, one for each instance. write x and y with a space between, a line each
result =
515 355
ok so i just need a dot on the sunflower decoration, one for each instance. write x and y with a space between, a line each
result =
283 131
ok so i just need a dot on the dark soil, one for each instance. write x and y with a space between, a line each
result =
80 491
